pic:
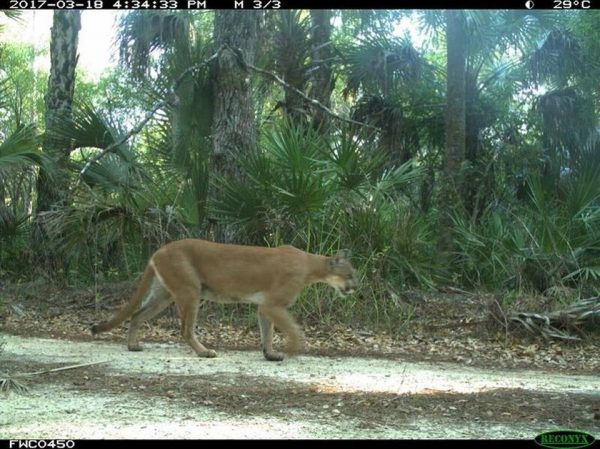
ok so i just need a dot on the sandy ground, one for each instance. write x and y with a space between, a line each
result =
165 392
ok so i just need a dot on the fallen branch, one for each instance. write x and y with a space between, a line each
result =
574 316
454 325
62 368
12 383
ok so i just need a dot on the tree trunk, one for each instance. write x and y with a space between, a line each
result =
234 123
322 54
52 191
455 120
59 102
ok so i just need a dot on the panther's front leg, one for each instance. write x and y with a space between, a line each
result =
266 338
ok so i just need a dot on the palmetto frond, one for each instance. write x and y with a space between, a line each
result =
354 166
19 150
583 182
287 184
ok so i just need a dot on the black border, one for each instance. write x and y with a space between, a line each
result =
293 444
300 4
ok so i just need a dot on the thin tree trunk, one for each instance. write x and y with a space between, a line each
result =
322 54
455 120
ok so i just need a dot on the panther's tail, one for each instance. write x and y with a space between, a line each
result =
130 307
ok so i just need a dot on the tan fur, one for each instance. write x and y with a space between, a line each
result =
187 270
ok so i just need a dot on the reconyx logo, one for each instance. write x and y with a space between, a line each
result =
564 439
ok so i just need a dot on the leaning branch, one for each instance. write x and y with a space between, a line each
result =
173 100
310 100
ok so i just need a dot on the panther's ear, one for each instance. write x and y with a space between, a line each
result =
341 257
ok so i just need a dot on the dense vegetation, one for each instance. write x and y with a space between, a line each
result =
501 197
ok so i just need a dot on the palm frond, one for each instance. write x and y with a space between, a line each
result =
11 225
354 166
568 118
142 34
21 147
557 58
359 21
89 128
292 47
381 65
11 14
398 178
512 29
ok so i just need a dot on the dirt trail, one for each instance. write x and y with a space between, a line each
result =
165 392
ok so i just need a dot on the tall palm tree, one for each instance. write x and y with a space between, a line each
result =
300 50
59 100
495 50
52 192
456 47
